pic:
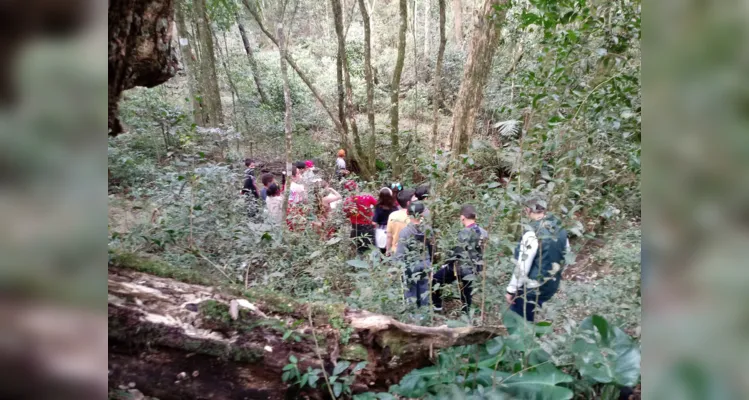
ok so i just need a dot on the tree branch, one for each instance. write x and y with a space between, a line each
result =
294 65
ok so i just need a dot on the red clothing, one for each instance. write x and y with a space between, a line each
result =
359 209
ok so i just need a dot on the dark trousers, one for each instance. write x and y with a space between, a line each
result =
445 276
525 302
363 237
417 286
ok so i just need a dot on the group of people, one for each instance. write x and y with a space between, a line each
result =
397 223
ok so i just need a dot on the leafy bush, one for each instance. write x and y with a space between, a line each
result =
516 366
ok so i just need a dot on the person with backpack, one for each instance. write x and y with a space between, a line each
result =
539 258
340 165
414 254
359 209
465 262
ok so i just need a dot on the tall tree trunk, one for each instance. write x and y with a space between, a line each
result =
224 57
370 83
361 157
457 23
371 12
140 49
253 64
395 89
190 64
287 107
427 9
293 64
341 96
437 100
475 74
209 79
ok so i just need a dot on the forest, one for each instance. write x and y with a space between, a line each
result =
522 109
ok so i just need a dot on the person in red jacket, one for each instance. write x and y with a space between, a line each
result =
359 209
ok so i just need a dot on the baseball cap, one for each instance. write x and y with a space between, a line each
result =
415 209
535 201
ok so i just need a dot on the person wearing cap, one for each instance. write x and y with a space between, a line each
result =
421 194
309 173
414 254
359 209
539 258
340 164
465 262
397 221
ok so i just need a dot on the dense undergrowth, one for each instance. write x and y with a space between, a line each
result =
563 120
187 213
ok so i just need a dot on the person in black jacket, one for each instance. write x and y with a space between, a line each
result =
249 187
249 179
414 255
466 260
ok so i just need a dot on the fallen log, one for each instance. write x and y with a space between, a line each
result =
176 340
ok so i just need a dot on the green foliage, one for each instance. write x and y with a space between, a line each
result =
338 383
606 354
564 120
518 367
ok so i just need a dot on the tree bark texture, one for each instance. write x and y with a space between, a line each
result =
395 160
361 156
233 346
341 96
457 23
253 63
287 107
427 15
189 63
140 49
475 74
370 83
437 100
294 66
209 78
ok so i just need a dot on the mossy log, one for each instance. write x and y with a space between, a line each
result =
228 344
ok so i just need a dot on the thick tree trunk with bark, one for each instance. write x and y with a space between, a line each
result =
253 63
370 83
209 78
395 160
475 74
183 341
140 49
287 108
457 23
341 99
294 66
189 63
437 101
362 158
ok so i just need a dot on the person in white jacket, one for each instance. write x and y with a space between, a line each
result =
539 260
